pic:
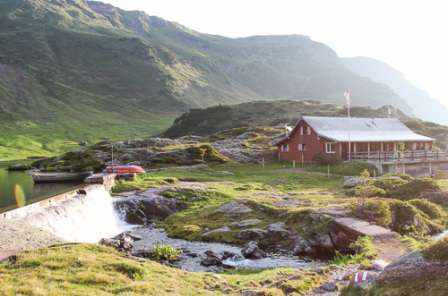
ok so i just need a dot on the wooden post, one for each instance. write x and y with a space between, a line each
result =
303 161
368 150
328 171
263 162
430 169
294 164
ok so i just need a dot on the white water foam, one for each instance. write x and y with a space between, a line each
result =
83 219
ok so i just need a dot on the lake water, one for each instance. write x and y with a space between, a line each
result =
17 189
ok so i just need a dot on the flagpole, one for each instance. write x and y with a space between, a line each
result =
347 95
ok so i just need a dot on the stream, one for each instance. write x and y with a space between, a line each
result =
91 217
194 252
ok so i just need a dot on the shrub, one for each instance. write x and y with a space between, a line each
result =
437 251
414 188
405 187
365 174
375 211
369 191
409 220
325 159
161 252
432 210
363 249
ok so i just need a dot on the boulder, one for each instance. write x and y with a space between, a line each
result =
252 251
211 259
246 223
252 234
352 182
328 287
140 210
302 247
437 197
122 242
234 208
278 232
216 231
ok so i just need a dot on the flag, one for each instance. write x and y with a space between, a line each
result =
348 98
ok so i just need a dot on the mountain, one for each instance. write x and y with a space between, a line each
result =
77 70
421 102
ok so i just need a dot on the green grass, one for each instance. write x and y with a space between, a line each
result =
49 139
96 270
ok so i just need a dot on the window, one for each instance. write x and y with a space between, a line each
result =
302 147
330 147
301 130
308 130
285 148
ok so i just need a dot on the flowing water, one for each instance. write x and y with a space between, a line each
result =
89 218
17 189
84 218
151 236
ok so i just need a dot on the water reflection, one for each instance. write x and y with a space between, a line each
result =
19 195
17 189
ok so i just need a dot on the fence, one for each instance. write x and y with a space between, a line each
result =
406 156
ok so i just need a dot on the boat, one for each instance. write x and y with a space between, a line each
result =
124 169
55 177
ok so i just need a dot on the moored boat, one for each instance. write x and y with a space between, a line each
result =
54 177
124 169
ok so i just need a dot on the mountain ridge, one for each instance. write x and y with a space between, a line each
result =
83 70
421 102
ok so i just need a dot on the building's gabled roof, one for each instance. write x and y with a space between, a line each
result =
355 129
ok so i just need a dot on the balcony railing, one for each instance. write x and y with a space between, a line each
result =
406 156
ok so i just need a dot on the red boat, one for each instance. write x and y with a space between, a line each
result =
124 169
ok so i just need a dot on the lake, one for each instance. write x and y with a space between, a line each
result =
17 189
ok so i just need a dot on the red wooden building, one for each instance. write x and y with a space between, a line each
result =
352 139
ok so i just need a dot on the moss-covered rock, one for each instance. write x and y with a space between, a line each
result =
405 187
437 251
415 218
373 211
76 161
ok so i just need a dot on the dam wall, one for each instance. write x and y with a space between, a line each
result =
86 214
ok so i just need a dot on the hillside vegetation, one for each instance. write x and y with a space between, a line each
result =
78 70
257 114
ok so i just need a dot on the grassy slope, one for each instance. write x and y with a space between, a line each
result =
214 119
94 270
66 67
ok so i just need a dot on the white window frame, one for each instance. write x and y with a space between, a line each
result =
301 147
285 148
329 146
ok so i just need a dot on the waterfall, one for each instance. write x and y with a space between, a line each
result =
84 219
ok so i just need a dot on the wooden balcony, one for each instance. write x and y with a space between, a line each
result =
406 156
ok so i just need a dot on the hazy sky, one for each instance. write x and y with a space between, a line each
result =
410 35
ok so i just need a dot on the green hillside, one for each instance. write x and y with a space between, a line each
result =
72 70
214 119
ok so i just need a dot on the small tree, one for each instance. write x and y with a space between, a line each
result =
365 174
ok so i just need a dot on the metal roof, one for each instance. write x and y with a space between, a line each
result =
356 129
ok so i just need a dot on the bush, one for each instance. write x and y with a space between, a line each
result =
414 188
416 219
369 191
409 220
374 211
405 187
437 251
161 252
432 210
365 174
326 159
